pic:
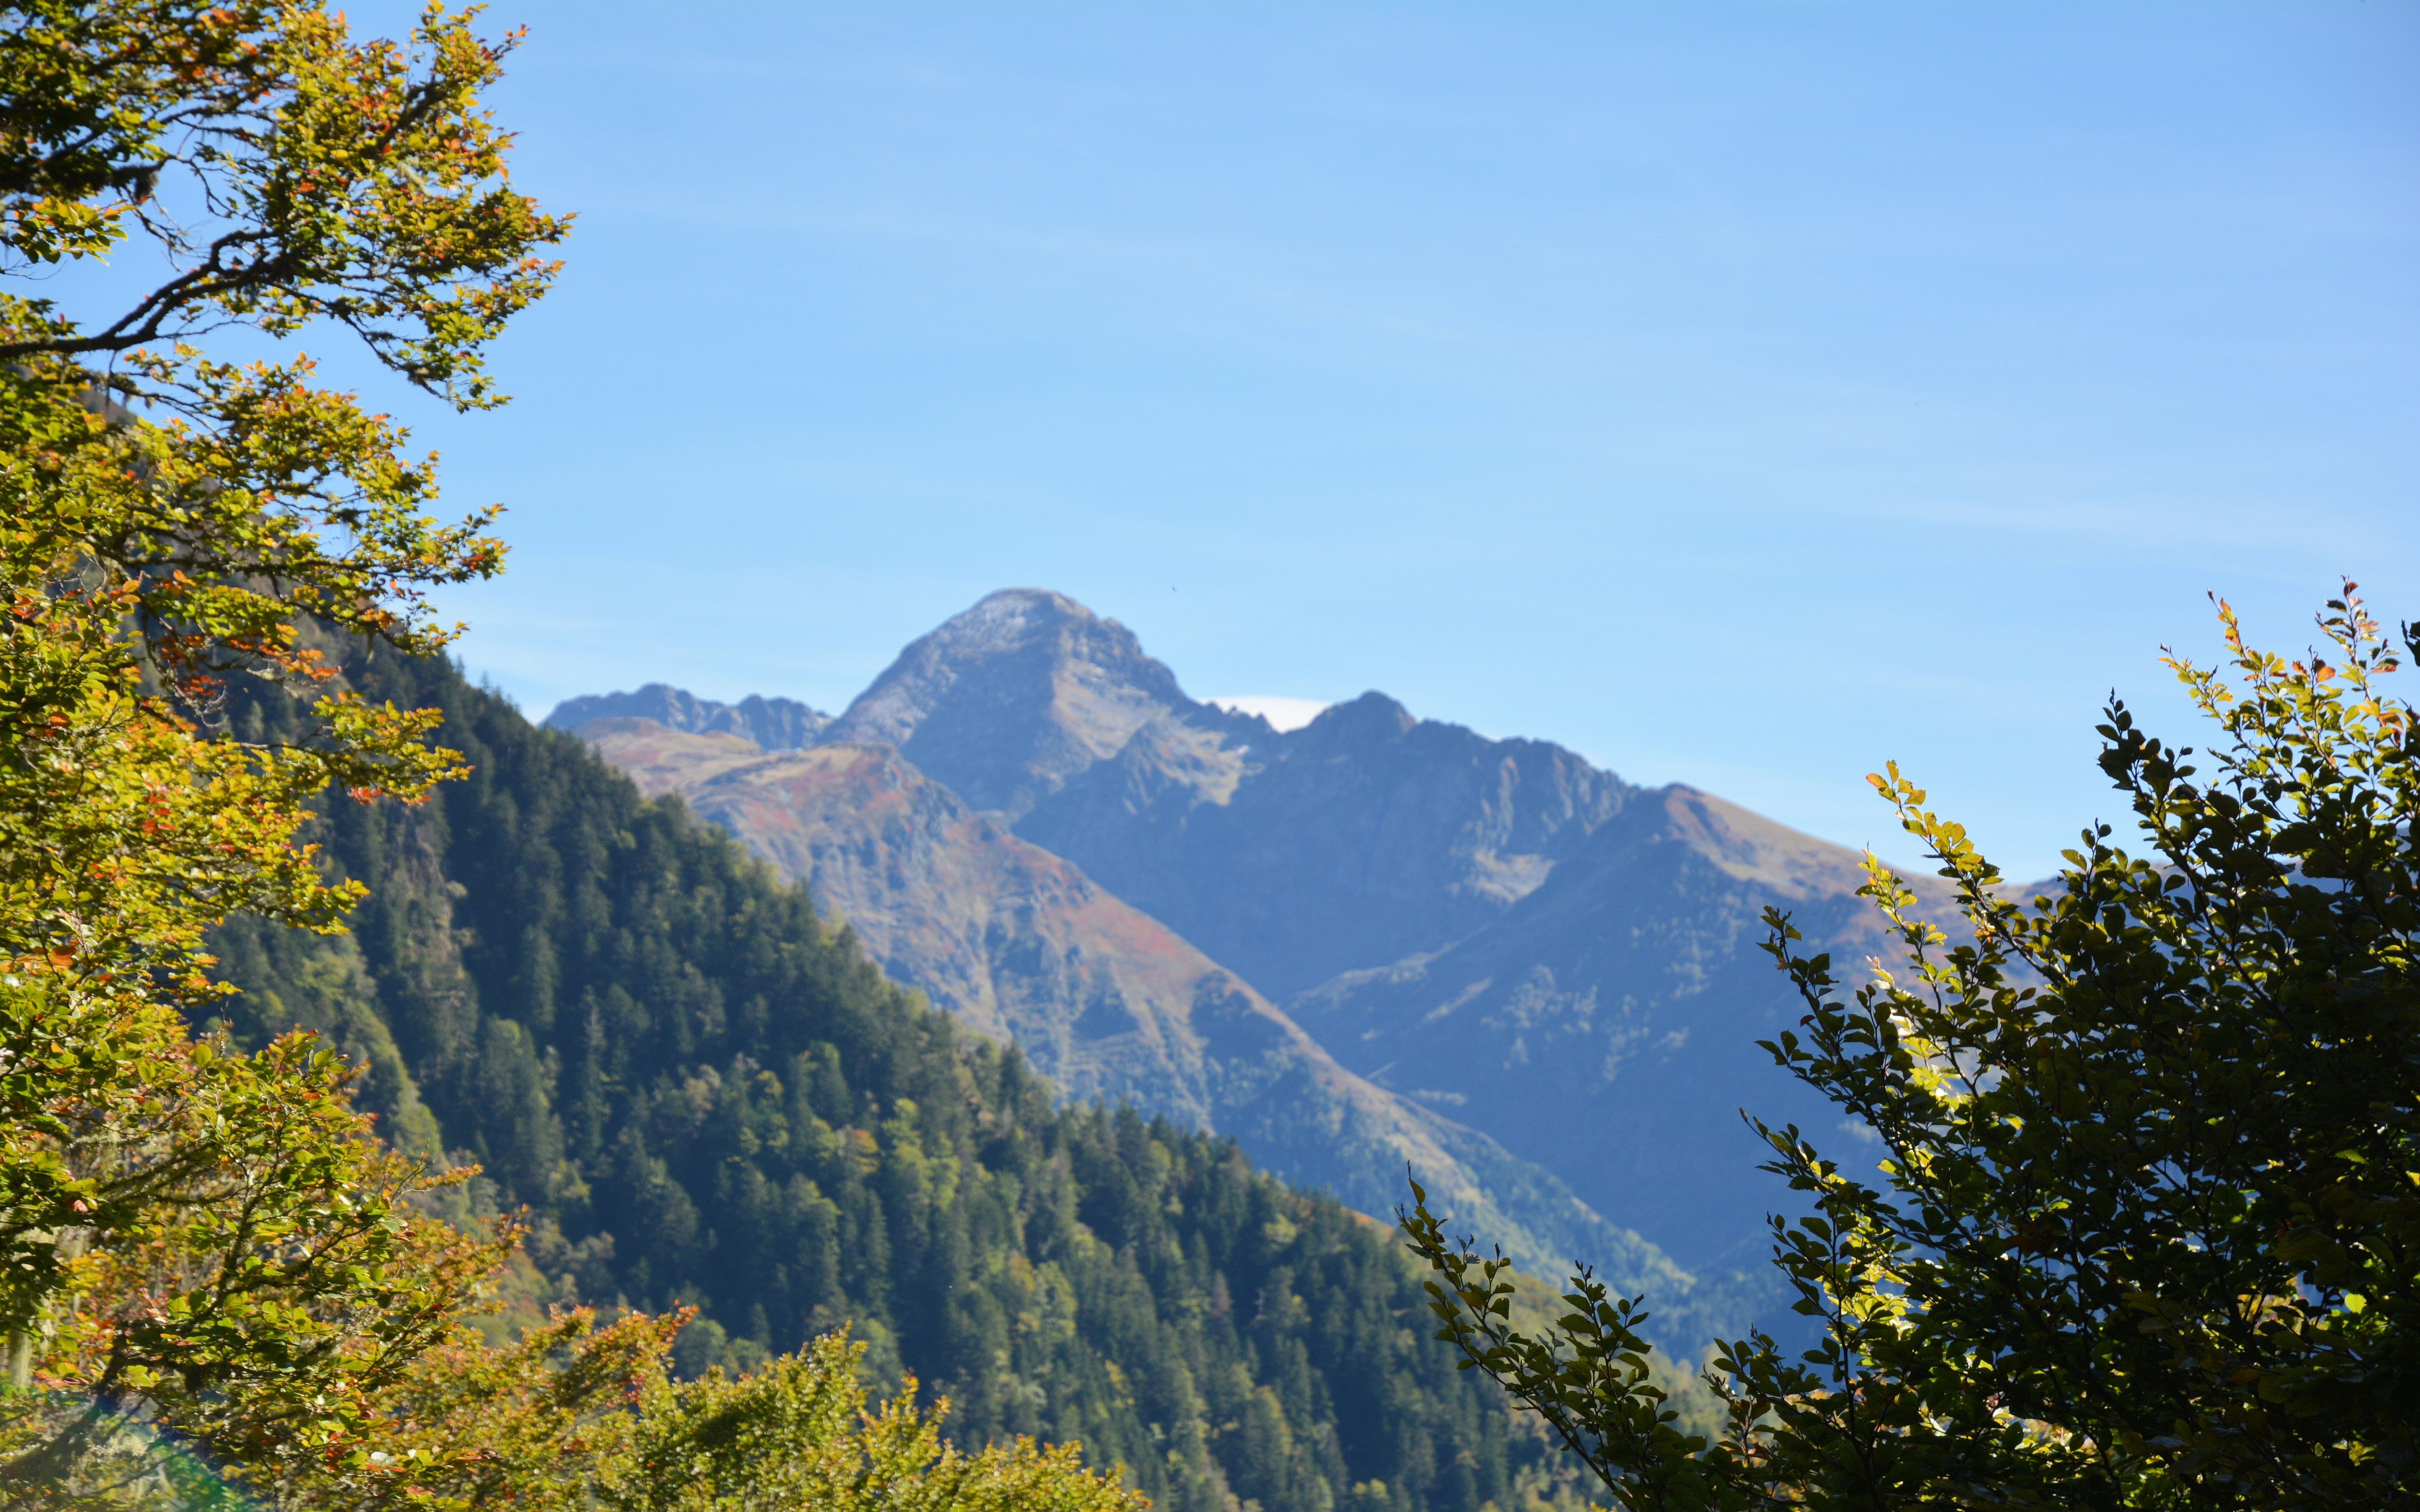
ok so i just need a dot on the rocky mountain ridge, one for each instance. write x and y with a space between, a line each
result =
1363 837
770 724
1112 1006
1495 932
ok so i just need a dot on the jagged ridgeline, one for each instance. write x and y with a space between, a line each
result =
710 1098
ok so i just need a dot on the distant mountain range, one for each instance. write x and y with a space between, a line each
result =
1370 940
770 724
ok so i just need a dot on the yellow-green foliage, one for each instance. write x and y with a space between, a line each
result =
798 1433
572 1417
192 1240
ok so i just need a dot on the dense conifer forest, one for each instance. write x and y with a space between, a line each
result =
707 1097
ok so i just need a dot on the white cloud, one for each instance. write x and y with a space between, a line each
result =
1285 713
1860 1131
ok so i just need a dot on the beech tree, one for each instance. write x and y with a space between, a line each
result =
193 1239
2148 1233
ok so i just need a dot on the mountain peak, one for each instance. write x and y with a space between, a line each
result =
1007 701
1001 621
1374 715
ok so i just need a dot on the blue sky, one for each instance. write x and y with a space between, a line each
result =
1740 394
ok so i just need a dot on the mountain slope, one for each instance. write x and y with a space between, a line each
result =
1495 928
1606 1025
1020 945
1000 934
1363 837
711 1098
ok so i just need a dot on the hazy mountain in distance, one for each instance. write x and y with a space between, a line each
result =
772 724
1109 1003
1497 928
1353 841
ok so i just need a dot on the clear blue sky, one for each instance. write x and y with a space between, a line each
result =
1741 395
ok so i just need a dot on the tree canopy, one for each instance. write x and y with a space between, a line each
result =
2148 1231
197 1238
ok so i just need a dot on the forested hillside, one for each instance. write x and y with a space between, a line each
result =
1111 1005
712 1099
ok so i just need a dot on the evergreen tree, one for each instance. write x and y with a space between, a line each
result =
710 1098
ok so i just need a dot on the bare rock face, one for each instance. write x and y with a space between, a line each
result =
1615 1010
1364 836
772 724
1008 700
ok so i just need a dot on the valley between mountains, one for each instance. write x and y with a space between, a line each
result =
1371 944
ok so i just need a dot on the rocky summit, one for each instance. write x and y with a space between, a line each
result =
1010 700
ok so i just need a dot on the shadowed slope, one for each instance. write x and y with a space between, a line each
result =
1607 1024
1365 835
